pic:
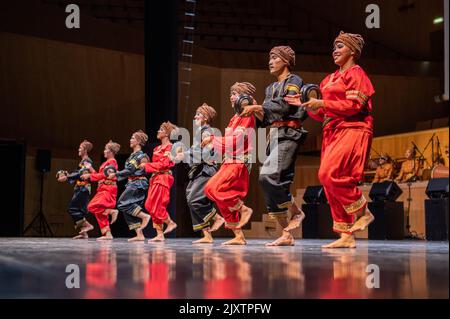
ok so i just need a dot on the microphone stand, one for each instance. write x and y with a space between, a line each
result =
421 155
410 235
430 141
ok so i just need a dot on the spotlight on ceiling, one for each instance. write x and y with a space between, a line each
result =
438 20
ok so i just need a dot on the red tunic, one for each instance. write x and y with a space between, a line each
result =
347 137
229 186
160 183
106 195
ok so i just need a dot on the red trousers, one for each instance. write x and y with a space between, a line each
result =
158 198
344 154
228 188
104 199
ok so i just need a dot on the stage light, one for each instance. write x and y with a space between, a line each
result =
438 20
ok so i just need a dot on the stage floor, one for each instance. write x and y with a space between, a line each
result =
36 268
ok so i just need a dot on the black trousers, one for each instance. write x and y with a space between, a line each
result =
131 202
201 207
277 175
78 204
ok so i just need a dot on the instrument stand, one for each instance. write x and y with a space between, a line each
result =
39 223
410 235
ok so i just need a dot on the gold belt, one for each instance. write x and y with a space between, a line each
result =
162 172
136 178
107 183
296 124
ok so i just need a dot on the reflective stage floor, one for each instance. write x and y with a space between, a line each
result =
36 268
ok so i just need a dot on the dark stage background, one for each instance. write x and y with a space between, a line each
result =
125 69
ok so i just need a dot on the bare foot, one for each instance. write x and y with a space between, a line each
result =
218 222
285 240
203 240
346 241
362 222
207 239
137 238
235 241
114 213
106 237
295 221
170 227
86 227
145 220
246 213
158 238
81 236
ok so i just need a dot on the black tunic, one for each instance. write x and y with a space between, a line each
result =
80 199
131 202
277 172
202 169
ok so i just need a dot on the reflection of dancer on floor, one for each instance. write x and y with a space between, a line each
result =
345 111
131 201
203 213
78 204
160 183
229 186
104 201
277 172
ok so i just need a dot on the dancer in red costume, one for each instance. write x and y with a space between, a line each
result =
160 183
345 111
229 186
104 201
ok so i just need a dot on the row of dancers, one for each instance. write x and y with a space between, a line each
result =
216 193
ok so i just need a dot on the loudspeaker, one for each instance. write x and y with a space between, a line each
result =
437 188
318 222
12 159
43 160
436 219
314 195
385 191
389 220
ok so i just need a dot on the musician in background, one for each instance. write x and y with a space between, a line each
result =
385 170
410 168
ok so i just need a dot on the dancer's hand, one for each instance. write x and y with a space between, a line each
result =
111 175
89 166
142 166
313 105
85 177
207 140
250 109
62 178
179 157
293 99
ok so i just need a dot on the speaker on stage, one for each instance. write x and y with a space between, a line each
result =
436 209
436 219
389 220
385 191
43 161
314 195
318 222
437 188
